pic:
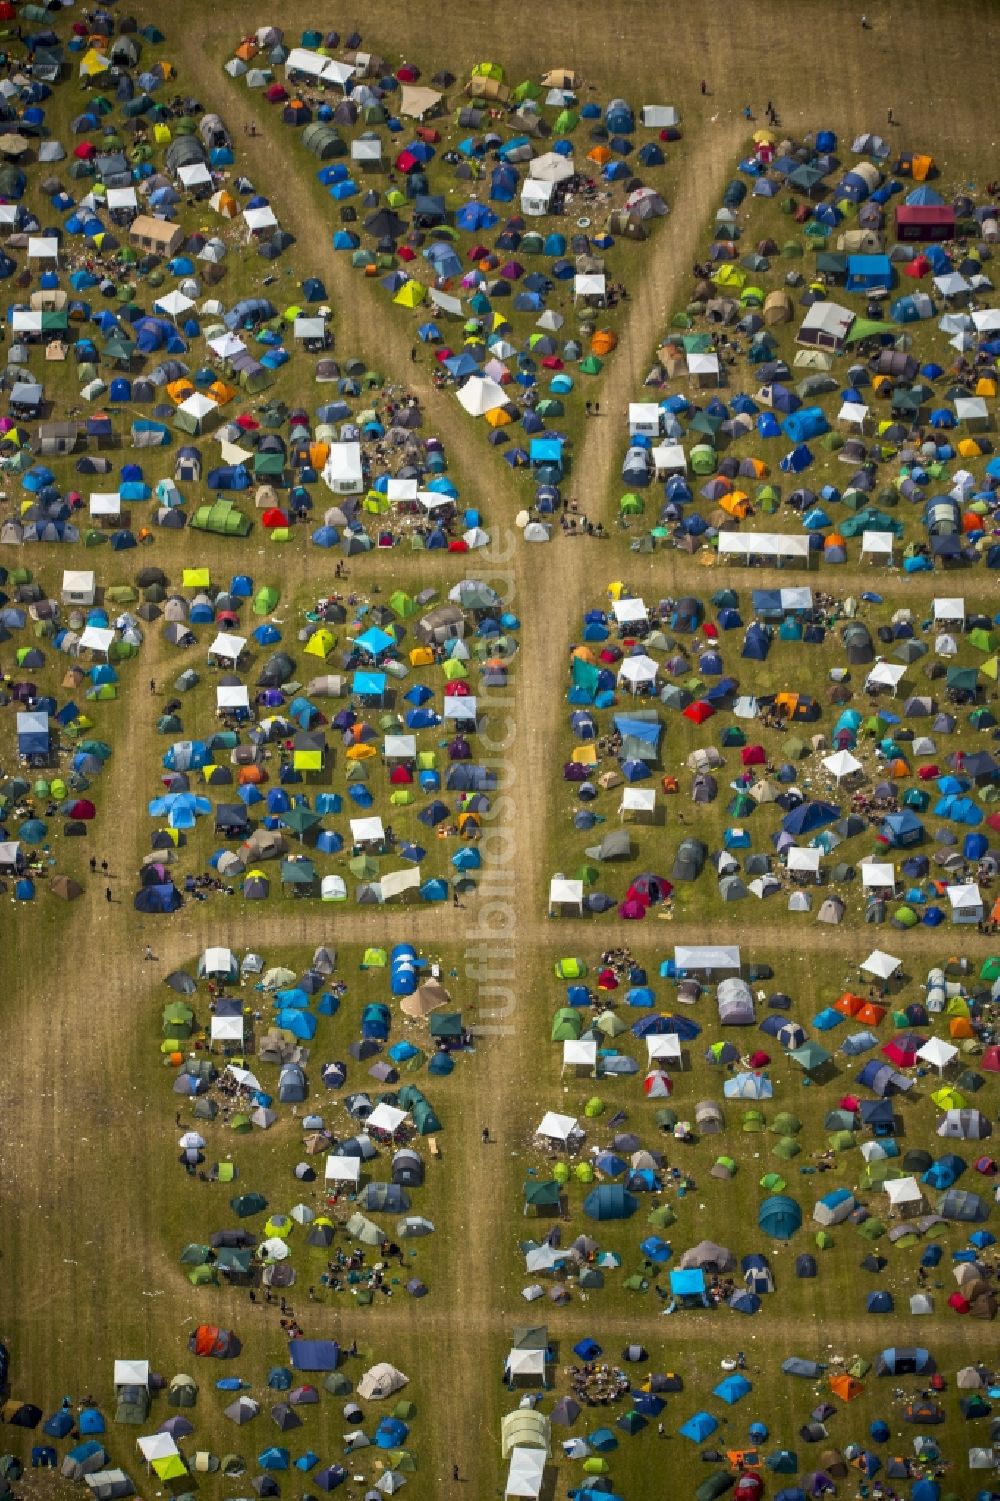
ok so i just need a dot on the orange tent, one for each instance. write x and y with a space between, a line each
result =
604 340
469 822
922 166
318 455
833 539
220 392
960 1027
736 504
360 752
499 417
180 390
849 1004
986 385
871 1014
585 654
250 776
846 1387
600 154
759 467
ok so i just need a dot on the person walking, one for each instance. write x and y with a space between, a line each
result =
152 685
704 86
148 953
107 894
889 120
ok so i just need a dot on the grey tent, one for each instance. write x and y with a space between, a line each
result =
735 1002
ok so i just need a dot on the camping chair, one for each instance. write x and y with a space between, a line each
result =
433 1147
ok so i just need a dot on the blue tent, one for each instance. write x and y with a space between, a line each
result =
779 1216
699 1427
609 1201
732 1389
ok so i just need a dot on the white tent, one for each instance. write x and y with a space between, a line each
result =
877 875
106 504
131 1373
565 896
638 672
580 1054
551 167
480 395
885 675
79 586
526 1365
966 903
950 609
592 284
659 116
385 1118
173 303
227 646
665 1049
367 830
156 1446
342 1169
803 861
526 1472
903 1194
630 612
937 1053
227 1029
879 544
233 696
342 472
259 219
841 764
669 458
556 1127
763 545
638 801
96 638
706 956
880 964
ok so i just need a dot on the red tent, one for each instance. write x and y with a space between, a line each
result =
699 711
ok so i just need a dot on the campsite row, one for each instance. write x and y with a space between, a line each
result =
158 324
826 756
506 218
340 774
829 391
304 1065
854 1425
685 1110
374 1441
64 660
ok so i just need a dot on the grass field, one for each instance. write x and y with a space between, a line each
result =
89 1171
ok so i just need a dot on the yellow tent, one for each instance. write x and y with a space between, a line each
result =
488 70
453 669
171 1467
361 753
585 755
499 417
307 760
321 643
421 656
195 578
410 294
426 760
